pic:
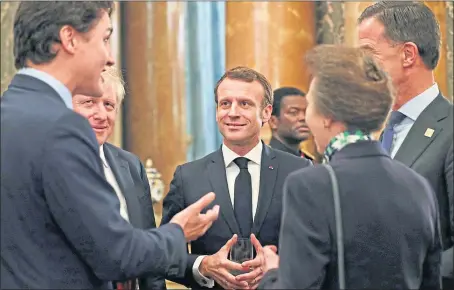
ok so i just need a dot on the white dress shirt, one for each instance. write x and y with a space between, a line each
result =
412 109
110 177
232 170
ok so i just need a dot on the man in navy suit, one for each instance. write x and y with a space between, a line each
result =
420 129
123 170
247 176
60 221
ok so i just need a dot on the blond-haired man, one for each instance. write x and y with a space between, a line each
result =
123 170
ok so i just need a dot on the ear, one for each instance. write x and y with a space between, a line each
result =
68 39
274 122
409 54
327 122
266 113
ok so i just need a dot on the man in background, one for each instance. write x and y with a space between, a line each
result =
288 121
247 176
405 38
61 226
123 170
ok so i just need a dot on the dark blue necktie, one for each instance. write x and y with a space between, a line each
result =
243 198
388 133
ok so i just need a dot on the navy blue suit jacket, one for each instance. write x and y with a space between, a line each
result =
60 221
192 180
390 224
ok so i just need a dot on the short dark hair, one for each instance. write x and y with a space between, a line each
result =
280 94
248 75
350 87
409 22
37 26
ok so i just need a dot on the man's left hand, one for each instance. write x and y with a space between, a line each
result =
262 262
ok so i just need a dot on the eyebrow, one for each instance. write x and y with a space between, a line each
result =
367 46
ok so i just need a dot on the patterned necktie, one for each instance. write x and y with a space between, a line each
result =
243 197
388 133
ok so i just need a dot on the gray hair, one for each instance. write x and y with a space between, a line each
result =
409 22
112 77
350 87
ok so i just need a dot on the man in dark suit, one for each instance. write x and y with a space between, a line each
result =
288 121
244 99
420 129
123 170
60 221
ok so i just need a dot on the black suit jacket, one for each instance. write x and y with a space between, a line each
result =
390 224
194 179
133 182
60 220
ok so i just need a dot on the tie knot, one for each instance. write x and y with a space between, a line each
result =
395 118
241 162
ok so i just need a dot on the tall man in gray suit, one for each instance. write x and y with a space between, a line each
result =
60 220
405 38
247 176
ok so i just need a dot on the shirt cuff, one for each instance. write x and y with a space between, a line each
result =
198 277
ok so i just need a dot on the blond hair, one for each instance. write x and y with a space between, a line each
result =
112 77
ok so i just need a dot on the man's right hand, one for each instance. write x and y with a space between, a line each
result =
218 267
194 223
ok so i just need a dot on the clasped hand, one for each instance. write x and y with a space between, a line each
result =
219 268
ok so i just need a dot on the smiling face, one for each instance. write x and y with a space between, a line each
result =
100 112
240 113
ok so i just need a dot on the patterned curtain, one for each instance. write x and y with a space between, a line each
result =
205 25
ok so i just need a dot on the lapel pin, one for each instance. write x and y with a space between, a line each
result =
271 167
429 132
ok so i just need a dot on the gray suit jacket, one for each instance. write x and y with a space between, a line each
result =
432 157
60 220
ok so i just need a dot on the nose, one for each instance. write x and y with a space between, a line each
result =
234 111
110 59
100 113
302 116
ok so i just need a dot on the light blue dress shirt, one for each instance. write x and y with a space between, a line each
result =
412 109
58 86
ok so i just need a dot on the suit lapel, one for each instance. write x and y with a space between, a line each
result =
268 175
122 173
416 141
218 180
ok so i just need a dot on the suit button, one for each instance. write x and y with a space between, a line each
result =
204 281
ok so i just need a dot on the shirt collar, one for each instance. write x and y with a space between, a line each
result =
255 155
58 86
103 157
414 107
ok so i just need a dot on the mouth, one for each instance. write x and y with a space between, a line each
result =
234 125
99 128
302 129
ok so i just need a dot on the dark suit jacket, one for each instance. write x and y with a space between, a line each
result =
390 224
133 182
60 220
276 144
432 157
194 179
